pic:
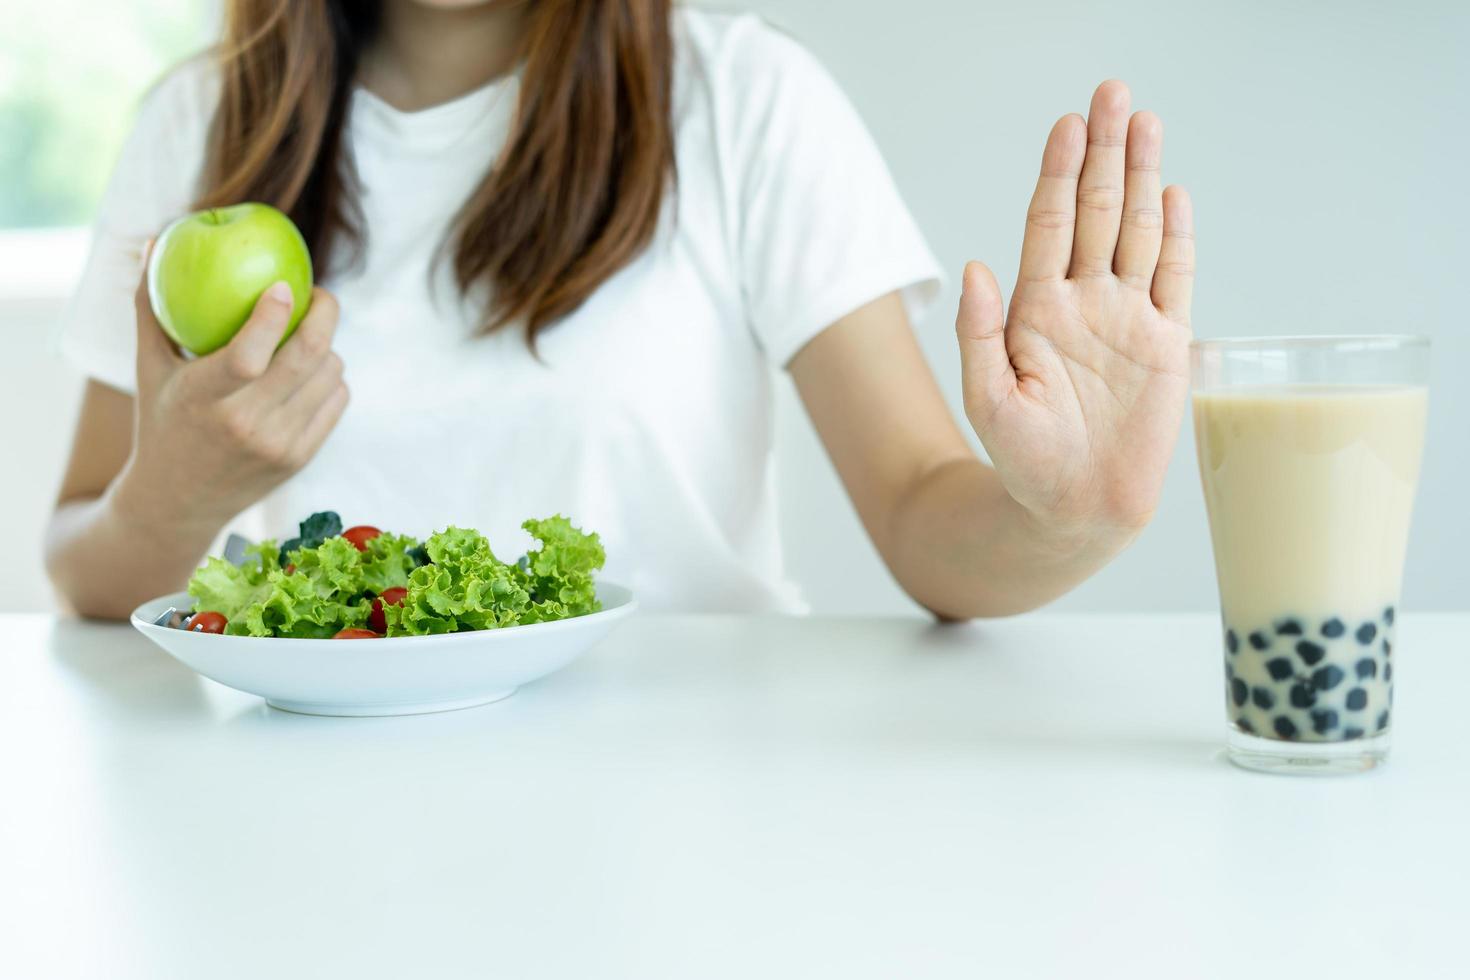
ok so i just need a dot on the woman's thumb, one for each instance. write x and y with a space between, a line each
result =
980 326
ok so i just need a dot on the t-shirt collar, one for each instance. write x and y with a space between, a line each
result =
481 111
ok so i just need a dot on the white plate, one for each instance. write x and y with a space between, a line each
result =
399 676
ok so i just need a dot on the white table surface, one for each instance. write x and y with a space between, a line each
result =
728 797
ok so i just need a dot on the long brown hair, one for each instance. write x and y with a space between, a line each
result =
574 196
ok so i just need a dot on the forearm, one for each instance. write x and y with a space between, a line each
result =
963 548
108 554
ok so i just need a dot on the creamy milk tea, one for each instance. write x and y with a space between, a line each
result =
1309 489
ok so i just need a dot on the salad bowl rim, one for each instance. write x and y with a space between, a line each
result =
143 617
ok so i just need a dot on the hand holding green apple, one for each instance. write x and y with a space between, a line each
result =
214 433
208 270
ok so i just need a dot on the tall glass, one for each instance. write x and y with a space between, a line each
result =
1309 453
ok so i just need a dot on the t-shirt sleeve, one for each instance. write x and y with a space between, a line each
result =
821 228
154 181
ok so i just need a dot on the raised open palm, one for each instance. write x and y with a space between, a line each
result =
1077 391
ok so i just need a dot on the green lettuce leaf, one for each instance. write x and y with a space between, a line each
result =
559 573
229 590
387 562
306 604
464 587
327 590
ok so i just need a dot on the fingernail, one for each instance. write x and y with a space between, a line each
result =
280 292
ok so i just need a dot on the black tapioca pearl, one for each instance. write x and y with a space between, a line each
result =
1238 691
1366 668
1229 670
1311 653
1357 699
1367 633
1232 642
1259 640
1388 673
1326 678
1280 668
1288 627
1351 733
1284 726
1245 726
1387 647
1263 698
1383 720
1324 721
1333 628
1302 695
1388 615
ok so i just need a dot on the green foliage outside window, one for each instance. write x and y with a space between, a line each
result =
71 75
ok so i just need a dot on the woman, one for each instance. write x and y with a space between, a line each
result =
561 245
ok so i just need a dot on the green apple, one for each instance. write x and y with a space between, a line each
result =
209 268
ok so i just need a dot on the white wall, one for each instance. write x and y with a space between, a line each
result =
1324 145
39 397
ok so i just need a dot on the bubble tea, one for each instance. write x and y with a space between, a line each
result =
1309 453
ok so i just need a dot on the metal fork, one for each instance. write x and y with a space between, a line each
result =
235 546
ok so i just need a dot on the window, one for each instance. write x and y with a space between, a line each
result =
71 75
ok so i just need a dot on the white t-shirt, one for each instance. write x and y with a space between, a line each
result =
648 417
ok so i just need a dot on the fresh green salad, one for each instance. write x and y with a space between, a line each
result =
362 583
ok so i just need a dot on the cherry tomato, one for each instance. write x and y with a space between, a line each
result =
390 597
207 622
361 535
355 633
290 568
